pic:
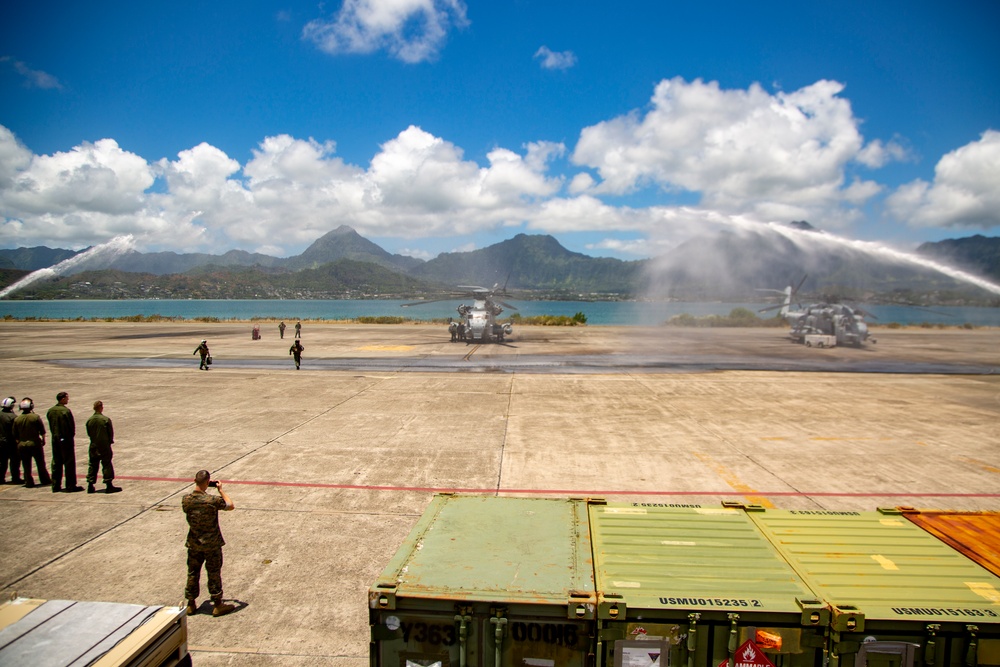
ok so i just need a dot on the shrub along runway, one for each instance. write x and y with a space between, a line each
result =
330 466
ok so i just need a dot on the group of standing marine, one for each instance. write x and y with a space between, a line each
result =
22 442
295 350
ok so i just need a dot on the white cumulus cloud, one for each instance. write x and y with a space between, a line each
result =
410 30
964 193
777 156
289 193
555 59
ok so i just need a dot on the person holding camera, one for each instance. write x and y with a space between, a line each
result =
204 542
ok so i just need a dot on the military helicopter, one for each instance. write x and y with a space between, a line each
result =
823 324
477 323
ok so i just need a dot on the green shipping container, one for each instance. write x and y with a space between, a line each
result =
898 596
689 586
488 582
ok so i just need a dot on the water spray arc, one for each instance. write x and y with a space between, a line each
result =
883 252
104 253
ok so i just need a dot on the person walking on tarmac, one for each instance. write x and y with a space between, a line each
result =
102 436
203 351
29 433
296 351
204 542
63 429
298 329
281 329
8 446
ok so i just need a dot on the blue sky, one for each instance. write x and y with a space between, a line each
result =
439 125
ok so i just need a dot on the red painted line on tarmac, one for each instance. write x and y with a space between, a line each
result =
568 492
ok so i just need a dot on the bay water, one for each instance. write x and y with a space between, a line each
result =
619 313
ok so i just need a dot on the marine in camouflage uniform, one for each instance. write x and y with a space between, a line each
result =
296 351
29 433
102 435
63 429
204 542
202 349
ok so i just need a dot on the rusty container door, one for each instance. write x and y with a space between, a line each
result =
488 582
975 534
899 597
698 587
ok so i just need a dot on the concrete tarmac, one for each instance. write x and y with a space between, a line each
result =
331 466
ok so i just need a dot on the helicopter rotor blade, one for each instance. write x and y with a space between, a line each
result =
426 301
507 305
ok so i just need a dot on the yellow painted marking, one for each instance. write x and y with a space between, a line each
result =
984 589
884 562
626 584
734 481
623 510
892 522
982 464
386 348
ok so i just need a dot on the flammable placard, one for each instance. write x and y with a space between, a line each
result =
748 655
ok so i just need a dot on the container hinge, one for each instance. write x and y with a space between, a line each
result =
929 650
971 653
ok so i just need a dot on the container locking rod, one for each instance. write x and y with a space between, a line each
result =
733 636
463 635
692 643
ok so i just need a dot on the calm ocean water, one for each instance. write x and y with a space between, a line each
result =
597 312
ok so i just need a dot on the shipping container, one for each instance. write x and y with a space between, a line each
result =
698 587
488 582
99 634
975 534
898 596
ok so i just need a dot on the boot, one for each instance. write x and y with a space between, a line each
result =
111 488
73 489
90 488
29 483
221 608
192 607
56 488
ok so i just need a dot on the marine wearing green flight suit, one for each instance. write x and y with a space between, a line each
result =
63 429
101 432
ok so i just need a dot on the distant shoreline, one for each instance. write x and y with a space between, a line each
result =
157 319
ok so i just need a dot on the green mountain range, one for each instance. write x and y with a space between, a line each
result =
342 264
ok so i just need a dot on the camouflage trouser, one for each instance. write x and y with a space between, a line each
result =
213 567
